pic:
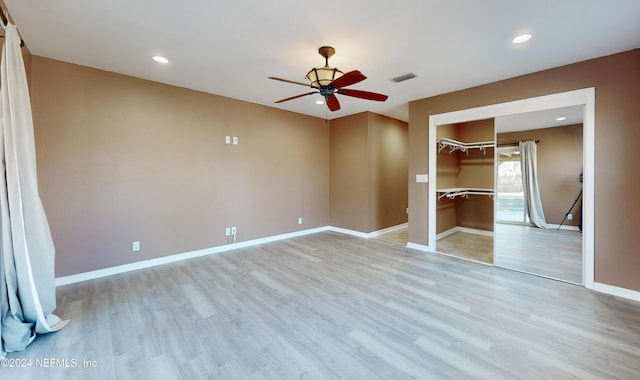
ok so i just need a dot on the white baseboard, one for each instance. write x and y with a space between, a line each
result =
367 235
419 247
617 291
550 225
563 227
65 280
348 232
387 230
453 230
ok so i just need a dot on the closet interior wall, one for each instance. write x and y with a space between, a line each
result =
462 170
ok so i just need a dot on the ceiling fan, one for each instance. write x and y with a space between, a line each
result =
328 82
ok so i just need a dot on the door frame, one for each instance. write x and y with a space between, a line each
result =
584 97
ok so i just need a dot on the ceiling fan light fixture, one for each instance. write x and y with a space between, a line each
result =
329 82
322 76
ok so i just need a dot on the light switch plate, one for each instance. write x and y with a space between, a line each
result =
422 178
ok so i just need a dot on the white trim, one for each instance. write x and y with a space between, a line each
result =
564 227
178 257
617 291
446 233
467 230
551 226
418 247
585 97
387 230
348 232
65 280
367 235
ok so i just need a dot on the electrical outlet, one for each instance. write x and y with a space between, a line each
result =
235 140
570 216
227 139
233 233
135 247
300 220
227 231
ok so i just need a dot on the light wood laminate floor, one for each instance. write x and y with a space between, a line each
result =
550 253
329 306
467 245
399 236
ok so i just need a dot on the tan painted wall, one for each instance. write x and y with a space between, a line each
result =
389 142
559 165
349 170
122 159
616 79
477 170
369 166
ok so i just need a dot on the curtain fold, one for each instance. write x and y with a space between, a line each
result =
27 278
532 201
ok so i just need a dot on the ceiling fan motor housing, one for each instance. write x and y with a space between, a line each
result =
322 76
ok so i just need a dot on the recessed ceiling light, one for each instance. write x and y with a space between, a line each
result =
160 59
319 102
561 118
521 38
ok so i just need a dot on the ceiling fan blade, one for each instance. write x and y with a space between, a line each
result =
290 81
297 96
333 103
352 77
363 94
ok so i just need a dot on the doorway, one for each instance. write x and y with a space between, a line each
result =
585 98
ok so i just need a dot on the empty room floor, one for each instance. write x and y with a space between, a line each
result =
467 245
547 252
329 306
398 236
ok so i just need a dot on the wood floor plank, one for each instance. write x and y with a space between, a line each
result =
331 306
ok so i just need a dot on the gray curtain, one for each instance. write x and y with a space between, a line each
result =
532 202
27 279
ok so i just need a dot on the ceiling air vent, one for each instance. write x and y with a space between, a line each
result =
404 77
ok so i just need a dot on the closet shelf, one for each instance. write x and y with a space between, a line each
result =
454 192
454 145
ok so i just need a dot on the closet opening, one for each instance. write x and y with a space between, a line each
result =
584 99
465 165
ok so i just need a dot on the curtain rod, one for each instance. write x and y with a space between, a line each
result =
515 143
3 16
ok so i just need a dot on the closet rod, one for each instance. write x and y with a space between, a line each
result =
515 143
3 17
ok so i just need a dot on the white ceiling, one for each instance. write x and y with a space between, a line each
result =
540 119
231 47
